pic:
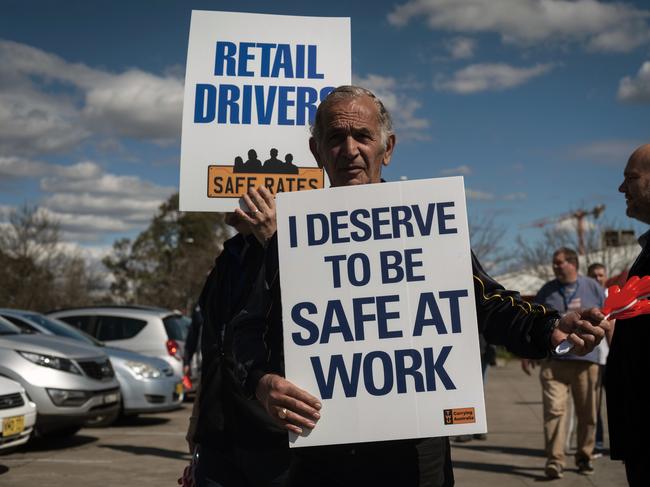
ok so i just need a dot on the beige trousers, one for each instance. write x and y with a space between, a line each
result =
558 377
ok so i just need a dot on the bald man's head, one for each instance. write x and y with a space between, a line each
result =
642 155
636 184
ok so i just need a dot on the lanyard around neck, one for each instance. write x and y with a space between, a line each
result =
571 298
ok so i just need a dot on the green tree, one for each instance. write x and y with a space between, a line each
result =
167 263
38 272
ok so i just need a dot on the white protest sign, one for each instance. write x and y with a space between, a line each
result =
252 85
378 308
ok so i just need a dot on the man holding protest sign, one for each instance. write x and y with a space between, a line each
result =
352 139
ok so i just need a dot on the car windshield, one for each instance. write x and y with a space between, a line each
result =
59 328
7 328
176 327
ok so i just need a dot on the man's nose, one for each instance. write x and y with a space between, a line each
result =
350 147
622 187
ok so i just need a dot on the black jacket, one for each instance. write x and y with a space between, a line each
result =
625 376
227 413
503 318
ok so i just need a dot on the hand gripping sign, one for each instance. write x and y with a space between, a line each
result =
628 302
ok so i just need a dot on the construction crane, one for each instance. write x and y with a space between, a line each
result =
577 215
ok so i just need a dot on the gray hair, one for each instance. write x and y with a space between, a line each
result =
346 92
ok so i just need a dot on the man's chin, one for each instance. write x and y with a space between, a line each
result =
350 182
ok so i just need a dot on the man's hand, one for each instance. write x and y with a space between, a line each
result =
527 365
187 480
583 330
261 216
289 405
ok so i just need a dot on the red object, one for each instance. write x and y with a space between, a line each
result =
629 301
187 382
172 347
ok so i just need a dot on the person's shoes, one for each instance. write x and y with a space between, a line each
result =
480 436
585 467
463 439
553 471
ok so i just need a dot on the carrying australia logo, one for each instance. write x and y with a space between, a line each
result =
276 174
459 416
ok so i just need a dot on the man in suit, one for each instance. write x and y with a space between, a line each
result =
627 364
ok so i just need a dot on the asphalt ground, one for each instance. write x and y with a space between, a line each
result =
151 450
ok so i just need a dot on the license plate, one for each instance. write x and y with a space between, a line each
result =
179 388
112 397
13 425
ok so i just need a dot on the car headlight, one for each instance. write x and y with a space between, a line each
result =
142 370
65 397
58 363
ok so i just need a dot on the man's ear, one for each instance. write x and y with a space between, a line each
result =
390 145
314 151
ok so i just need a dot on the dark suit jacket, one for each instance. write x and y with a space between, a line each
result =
626 379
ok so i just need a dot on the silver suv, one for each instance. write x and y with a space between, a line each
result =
69 382
150 331
147 384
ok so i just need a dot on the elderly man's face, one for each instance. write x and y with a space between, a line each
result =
636 187
351 148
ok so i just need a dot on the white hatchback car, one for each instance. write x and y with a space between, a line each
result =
17 414
150 331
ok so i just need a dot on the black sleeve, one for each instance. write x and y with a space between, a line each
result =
257 329
505 319
193 334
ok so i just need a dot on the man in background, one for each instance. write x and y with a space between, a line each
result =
560 374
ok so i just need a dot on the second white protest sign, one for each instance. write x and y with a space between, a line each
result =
378 310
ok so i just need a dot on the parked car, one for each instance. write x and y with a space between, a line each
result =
17 414
150 331
148 384
69 382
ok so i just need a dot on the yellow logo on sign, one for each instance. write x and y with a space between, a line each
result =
459 416
225 182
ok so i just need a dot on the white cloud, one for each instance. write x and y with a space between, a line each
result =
86 201
613 151
460 47
479 195
402 107
137 104
514 196
18 167
133 103
130 209
106 184
35 123
596 24
473 194
489 77
636 89
457 171
88 224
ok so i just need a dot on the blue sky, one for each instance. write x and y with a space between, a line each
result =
538 103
